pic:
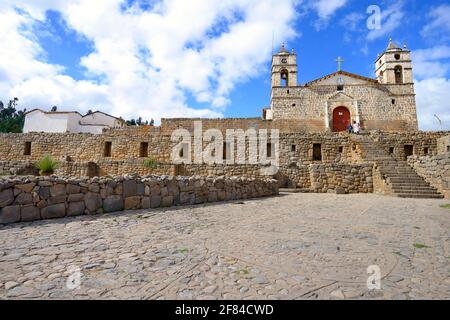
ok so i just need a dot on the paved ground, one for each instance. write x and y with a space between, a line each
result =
300 246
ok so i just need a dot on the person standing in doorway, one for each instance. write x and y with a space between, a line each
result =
356 127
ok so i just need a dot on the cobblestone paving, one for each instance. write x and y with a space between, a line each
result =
300 246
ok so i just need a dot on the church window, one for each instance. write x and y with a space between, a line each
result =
293 147
391 150
340 87
143 150
293 104
317 152
398 74
341 149
288 92
269 150
448 148
27 149
426 150
183 151
397 56
393 101
107 149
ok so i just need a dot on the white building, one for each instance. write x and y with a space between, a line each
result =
38 120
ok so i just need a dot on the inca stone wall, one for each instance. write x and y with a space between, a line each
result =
435 170
421 141
35 198
341 179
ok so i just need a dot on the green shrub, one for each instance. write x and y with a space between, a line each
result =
150 163
47 165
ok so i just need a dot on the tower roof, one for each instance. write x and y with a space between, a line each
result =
392 46
283 49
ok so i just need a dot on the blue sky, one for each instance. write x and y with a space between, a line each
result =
207 58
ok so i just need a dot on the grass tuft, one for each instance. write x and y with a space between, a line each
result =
150 163
47 165
420 246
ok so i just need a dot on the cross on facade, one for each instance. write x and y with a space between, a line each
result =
339 60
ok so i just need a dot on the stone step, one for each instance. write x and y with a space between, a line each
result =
413 191
420 196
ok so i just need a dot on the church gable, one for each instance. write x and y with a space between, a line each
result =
340 96
342 76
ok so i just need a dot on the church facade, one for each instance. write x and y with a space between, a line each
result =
332 102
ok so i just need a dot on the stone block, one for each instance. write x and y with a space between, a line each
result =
58 190
212 196
129 188
93 201
167 201
140 189
77 197
76 208
28 187
132 203
44 192
155 190
10 214
30 213
340 190
155 201
113 204
24 199
73 189
94 187
54 211
57 199
145 203
6 197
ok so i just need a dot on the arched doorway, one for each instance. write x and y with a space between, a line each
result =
341 119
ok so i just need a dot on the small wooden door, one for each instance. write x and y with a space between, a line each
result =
341 119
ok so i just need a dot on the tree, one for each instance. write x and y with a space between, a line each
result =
11 120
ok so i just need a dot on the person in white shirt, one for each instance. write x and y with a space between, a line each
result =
356 127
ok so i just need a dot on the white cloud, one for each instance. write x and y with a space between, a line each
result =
440 24
325 9
433 98
430 63
149 61
391 18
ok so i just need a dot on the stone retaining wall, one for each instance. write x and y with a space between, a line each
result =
35 198
341 178
435 170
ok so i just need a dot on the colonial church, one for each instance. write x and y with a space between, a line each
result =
332 102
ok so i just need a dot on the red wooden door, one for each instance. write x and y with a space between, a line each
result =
341 119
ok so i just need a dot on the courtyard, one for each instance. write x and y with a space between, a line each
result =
292 246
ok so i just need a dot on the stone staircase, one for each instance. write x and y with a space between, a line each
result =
401 179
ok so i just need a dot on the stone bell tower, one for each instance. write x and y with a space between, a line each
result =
284 68
394 65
